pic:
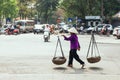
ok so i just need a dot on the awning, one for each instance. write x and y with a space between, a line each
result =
117 15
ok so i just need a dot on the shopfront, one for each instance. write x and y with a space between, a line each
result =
93 20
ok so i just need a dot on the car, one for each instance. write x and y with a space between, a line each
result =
89 29
116 31
118 34
25 25
4 28
38 28
2 31
64 28
99 27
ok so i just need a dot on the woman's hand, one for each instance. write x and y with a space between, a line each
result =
63 35
78 49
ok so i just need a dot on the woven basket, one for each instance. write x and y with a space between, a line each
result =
59 60
94 59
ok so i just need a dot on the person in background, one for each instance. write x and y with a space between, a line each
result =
47 31
74 46
81 29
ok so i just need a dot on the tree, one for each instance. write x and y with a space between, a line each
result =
82 8
25 8
45 8
111 7
8 8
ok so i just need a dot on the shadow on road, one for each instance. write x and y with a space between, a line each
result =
96 68
60 68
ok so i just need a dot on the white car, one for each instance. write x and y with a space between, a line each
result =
64 28
100 26
4 28
2 31
89 29
116 31
38 28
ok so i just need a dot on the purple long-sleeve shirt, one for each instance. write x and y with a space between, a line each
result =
74 43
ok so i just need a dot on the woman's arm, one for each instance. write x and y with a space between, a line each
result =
78 44
67 38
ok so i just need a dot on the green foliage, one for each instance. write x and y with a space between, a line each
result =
111 7
82 8
24 10
8 8
46 8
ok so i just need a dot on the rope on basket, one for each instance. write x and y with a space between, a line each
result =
95 55
59 60
59 42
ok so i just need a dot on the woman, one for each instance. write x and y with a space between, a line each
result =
74 46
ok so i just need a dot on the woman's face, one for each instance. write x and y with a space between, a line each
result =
72 33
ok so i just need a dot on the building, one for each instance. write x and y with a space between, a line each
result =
93 20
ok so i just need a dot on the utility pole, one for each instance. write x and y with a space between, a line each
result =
102 10
76 22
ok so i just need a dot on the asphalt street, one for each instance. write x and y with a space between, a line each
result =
28 57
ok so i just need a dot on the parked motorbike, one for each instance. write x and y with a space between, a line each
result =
118 34
12 32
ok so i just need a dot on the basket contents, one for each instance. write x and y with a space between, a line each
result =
59 60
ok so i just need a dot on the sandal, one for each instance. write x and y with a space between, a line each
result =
70 65
82 67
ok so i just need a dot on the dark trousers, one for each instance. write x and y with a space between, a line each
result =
73 54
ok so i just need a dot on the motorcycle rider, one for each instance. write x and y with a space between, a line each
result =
10 30
46 33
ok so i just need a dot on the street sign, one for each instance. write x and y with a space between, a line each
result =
92 17
69 19
8 20
79 20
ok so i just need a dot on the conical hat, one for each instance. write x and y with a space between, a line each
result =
73 30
